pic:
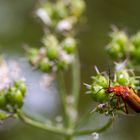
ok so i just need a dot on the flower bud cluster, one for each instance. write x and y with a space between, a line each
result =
59 44
53 56
12 91
98 90
61 15
118 46
123 47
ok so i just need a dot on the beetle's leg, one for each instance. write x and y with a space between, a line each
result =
125 107
118 101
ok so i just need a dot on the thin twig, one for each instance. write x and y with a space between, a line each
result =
76 80
63 96
99 130
42 125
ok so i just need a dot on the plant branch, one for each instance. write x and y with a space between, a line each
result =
76 79
69 137
42 125
99 130
63 96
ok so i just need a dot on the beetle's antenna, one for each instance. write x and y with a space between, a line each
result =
109 75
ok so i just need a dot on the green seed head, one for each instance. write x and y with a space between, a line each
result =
21 86
3 115
18 98
100 80
52 53
45 65
122 78
115 51
119 37
98 93
136 40
69 45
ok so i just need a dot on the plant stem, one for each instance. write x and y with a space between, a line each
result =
69 137
42 125
76 80
68 133
63 96
72 104
99 130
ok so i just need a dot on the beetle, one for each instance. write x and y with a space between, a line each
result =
128 95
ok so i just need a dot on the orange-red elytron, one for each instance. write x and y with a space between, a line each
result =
128 96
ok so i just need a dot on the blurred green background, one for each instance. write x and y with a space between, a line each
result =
19 26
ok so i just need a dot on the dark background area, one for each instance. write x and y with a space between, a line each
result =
19 26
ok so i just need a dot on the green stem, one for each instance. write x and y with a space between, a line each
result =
68 133
76 80
42 125
99 130
69 137
63 96
72 107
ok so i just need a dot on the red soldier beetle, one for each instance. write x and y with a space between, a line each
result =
128 96
126 93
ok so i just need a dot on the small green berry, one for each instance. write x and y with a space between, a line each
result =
3 115
18 98
69 45
52 53
45 65
121 38
115 51
102 96
136 40
61 65
122 78
21 86
100 80
98 93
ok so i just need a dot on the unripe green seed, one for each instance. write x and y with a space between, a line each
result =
98 93
10 95
69 45
121 38
15 97
18 98
52 53
122 78
33 52
61 65
136 40
78 7
102 96
45 65
21 86
3 115
100 80
115 51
